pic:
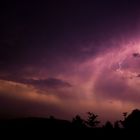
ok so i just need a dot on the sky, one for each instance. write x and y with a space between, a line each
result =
64 58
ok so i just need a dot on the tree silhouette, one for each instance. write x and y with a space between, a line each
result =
92 121
52 117
108 125
78 122
132 120
125 115
116 125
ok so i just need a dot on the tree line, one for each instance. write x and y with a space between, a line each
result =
131 120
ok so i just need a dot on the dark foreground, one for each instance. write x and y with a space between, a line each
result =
55 129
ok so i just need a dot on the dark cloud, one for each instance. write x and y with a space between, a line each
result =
47 34
136 54
43 84
48 83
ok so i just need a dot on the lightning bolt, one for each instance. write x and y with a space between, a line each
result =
120 67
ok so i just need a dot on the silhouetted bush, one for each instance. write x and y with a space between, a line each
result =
92 121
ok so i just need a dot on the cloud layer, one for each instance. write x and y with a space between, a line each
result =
109 80
64 58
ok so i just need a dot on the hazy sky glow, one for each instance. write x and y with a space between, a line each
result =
69 58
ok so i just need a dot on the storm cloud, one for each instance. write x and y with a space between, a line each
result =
71 57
